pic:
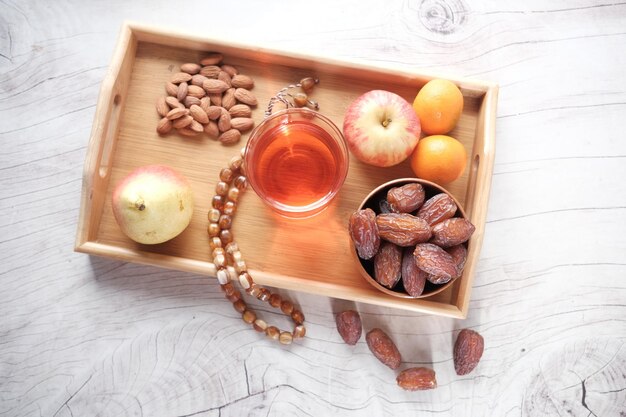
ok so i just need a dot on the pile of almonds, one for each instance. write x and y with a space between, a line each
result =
210 97
468 350
412 241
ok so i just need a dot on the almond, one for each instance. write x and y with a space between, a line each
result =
212 130
214 112
212 59
417 379
240 110
186 131
182 91
182 121
198 114
171 89
230 137
223 76
242 124
177 113
180 77
190 68
228 99
190 101
245 96
164 126
242 81
223 122
198 80
230 70
216 99
210 72
205 103
162 107
174 103
214 86
195 91
196 126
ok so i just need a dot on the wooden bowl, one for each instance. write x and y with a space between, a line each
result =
366 267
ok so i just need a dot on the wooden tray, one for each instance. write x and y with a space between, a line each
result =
310 255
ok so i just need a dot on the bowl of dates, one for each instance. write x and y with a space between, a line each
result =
410 238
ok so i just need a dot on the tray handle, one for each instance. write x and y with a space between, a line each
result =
101 148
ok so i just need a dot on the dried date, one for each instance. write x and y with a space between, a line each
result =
417 379
437 208
436 262
413 278
468 349
383 348
364 233
388 265
407 198
349 326
459 256
452 232
402 229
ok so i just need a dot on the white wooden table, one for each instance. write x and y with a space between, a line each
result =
83 336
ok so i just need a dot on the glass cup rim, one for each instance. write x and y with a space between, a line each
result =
334 132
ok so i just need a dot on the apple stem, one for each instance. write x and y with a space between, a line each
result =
386 122
139 204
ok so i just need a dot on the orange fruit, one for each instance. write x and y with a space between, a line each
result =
438 105
439 158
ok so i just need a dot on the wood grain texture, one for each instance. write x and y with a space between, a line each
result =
90 336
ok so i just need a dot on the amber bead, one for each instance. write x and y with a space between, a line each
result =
213 229
235 296
307 84
236 256
233 194
285 338
240 306
218 202
245 280
235 163
259 325
227 174
230 208
254 290
221 188
299 331
286 307
223 277
215 242
226 236
214 215
275 300
228 288
240 266
272 332
264 294
218 251
300 99
219 260
249 316
231 247
297 316
225 221
241 182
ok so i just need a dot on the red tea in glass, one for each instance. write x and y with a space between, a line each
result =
296 161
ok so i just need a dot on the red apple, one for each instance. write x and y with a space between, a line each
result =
381 128
153 204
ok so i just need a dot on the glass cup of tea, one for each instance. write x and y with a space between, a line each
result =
296 161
